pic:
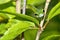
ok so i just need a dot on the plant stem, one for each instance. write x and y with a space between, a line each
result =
24 10
45 24
18 9
24 6
42 21
18 6
22 38
38 34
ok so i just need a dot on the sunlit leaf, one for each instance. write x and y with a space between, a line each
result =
35 2
11 22
54 11
2 28
4 1
10 9
28 18
32 2
3 17
16 29
25 17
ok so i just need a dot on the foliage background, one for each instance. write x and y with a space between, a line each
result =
52 31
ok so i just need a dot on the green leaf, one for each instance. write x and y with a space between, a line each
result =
25 17
10 9
51 37
34 2
10 16
52 31
16 29
29 18
4 1
2 28
3 17
30 34
11 22
54 11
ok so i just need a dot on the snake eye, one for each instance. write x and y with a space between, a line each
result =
36 14
43 10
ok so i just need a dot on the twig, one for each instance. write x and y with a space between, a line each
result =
42 21
45 24
24 6
18 6
45 11
38 34
22 39
24 10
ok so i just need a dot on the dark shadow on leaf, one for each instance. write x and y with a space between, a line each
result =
6 5
20 17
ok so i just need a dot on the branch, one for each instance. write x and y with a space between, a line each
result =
42 21
24 6
45 24
18 6
22 39
45 11
24 10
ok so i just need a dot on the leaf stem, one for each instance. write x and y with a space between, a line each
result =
42 21
22 39
24 6
45 24
18 6
24 10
